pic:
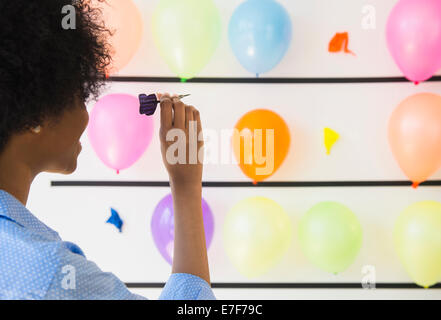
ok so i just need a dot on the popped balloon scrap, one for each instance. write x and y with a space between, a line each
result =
115 219
340 42
331 138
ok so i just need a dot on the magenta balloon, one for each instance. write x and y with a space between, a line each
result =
118 133
162 226
413 35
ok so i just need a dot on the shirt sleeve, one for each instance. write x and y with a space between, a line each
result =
80 279
184 286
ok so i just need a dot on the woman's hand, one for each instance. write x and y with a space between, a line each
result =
181 121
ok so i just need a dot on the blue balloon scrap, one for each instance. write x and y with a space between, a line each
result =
260 33
115 219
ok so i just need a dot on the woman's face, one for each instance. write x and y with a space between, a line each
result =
58 142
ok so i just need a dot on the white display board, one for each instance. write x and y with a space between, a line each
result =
359 112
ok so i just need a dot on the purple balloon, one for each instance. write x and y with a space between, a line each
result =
162 226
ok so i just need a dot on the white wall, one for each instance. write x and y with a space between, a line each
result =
359 112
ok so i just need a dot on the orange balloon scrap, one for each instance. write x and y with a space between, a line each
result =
340 42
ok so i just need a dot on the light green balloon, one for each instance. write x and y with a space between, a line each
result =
257 233
330 236
417 237
186 32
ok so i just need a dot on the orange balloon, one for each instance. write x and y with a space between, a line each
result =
124 20
415 136
260 143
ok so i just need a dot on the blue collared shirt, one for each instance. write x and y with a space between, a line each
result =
36 264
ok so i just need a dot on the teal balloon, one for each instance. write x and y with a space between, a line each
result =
330 236
260 33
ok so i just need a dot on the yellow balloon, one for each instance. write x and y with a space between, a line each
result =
417 237
257 232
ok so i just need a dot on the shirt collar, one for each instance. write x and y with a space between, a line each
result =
13 209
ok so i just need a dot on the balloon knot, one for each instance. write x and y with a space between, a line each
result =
183 80
415 185
255 183
417 83
117 171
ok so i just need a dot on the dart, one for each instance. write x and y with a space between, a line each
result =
149 103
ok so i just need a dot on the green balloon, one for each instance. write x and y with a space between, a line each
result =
330 236
186 32
417 237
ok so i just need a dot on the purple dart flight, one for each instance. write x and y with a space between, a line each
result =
149 103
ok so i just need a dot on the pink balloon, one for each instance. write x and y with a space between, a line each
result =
413 35
118 133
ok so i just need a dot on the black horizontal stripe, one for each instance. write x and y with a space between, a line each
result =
248 184
296 285
266 80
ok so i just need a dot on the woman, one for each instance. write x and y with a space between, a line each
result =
46 75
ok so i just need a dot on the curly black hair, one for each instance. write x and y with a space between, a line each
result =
43 65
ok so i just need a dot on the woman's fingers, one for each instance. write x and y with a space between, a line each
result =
179 113
159 95
166 112
197 118
175 114
188 116
200 136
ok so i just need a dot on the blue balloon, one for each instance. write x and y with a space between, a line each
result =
260 34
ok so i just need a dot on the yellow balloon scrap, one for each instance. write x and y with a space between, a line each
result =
331 138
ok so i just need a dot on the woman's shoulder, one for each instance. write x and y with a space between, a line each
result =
28 262
13 232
